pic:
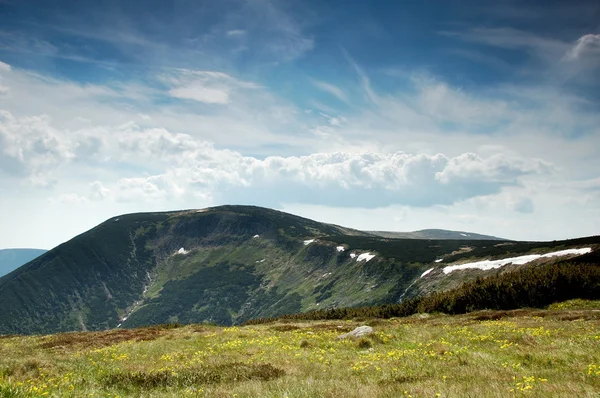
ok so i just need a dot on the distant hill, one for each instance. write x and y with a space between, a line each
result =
11 259
434 234
230 264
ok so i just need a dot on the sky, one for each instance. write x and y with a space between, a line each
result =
401 115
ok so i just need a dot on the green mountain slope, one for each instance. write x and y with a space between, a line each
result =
11 259
227 265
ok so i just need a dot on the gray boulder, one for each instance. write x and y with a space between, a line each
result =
358 332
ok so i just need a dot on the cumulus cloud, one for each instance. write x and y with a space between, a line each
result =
193 167
470 167
30 146
178 165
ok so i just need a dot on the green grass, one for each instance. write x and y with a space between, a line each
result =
535 353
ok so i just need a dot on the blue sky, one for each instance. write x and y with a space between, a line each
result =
375 115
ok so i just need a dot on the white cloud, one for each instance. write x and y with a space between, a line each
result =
523 205
192 167
586 45
198 92
205 86
331 89
510 38
4 68
236 32
30 146
498 169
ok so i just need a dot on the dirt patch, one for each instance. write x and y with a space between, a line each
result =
284 328
104 339
496 315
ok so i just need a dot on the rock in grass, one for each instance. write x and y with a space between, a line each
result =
358 332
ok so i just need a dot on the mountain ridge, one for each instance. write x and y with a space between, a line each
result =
435 234
226 265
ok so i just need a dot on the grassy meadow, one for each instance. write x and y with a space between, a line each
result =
534 353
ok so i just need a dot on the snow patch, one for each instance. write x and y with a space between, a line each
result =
439 260
308 242
182 251
340 249
426 272
464 234
201 210
491 264
116 219
352 255
365 257
261 261
256 236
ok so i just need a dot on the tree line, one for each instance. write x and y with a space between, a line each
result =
534 287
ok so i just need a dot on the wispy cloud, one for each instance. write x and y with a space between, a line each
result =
236 33
510 38
205 86
331 89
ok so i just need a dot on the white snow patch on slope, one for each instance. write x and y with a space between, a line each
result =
439 260
308 242
256 236
352 255
182 251
340 249
365 257
464 234
491 264
426 272
261 261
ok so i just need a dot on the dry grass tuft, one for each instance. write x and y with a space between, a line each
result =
285 328
304 344
364 343
222 373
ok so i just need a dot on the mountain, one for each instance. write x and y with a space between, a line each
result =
11 259
434 234
229 264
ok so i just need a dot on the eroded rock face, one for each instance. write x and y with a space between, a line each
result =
358 332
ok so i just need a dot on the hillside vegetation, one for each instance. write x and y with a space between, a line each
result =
230 264
534 287
534 353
